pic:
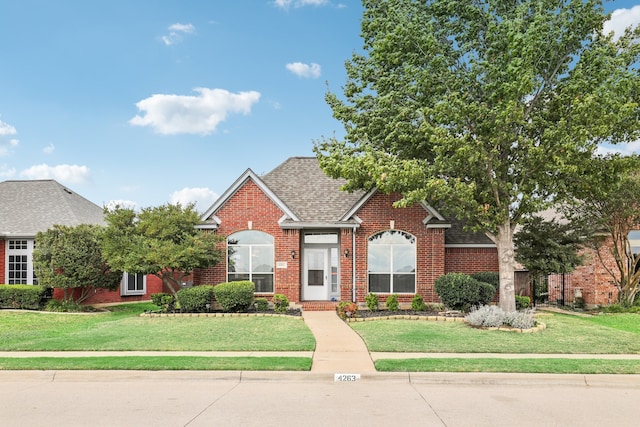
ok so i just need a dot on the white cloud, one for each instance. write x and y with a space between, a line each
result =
622 149
49 149
312 70
621 19
177 114
176 32
73 174
6 129
285 4
201 197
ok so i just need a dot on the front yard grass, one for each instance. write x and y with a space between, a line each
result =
123 329
565 334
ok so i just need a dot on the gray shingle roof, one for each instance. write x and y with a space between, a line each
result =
27 207
308 192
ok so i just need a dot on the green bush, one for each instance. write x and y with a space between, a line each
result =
417 303
372 302
261 304
166 302
280 303
522 302
63 306
460 291
235 296
392 303
490 277
195 299
22 296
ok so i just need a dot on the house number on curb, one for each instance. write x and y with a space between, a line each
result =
346 377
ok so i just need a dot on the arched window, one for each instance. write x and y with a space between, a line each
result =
250 257
392 262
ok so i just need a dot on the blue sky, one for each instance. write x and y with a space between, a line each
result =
148 102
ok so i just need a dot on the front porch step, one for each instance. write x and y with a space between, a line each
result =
319 305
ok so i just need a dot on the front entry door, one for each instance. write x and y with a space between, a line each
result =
316 274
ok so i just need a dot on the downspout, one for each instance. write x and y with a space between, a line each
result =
353 261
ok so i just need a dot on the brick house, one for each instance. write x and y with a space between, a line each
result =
27 207
293 231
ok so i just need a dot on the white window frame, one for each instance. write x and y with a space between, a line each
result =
250 247
22 251
124 285
412 242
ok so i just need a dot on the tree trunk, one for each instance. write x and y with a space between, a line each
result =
506 266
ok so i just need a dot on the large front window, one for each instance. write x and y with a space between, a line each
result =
133 284
392 262
250 257
20 262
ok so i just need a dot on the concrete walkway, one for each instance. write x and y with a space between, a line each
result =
339 349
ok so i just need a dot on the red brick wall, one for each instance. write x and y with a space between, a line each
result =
592 279
471 260
103 296
250 205
376 216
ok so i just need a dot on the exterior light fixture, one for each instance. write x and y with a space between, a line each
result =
346 253
293 254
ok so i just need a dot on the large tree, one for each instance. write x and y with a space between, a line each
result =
71 259
162 241
482 107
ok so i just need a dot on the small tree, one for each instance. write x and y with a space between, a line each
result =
608 204
162 241
71 259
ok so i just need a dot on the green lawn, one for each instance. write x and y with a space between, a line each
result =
124 329
158 363
612 334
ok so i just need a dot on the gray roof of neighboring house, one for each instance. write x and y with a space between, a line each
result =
27 207
308 192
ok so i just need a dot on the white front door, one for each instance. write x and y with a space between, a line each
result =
316 274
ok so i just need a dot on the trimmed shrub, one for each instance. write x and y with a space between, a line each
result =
235 296
280 303
490 277
522 302
487 316
417 303
392 303
22 296
520 319
261 304
372 302
195 300
166 302
460 291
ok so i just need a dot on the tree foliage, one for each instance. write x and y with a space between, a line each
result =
162 241
484 108
607 203
549 246
71 259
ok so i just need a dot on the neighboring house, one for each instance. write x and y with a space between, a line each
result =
294 232
27 207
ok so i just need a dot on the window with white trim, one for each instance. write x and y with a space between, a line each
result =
19 261
392 262
250 257
133 284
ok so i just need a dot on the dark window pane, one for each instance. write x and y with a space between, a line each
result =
263 282
404 283
238 277
315 277
379 283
